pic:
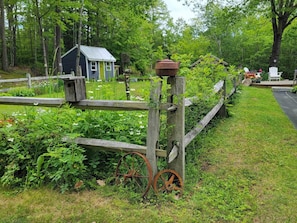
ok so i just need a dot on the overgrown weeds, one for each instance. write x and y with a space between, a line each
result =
33 152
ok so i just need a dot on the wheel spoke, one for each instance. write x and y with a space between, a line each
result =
162 188
176 188
163 179
171 179
168 181
136 171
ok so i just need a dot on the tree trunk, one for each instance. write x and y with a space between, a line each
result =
77 67
273 60
3 37
278 28
12 25
44 49
282 15
58 61
14 42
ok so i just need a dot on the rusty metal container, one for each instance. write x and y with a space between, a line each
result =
166 67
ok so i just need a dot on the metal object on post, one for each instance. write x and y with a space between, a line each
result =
166 67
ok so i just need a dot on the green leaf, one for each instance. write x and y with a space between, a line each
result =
40 161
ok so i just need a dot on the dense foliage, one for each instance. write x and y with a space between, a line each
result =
33 152
240 32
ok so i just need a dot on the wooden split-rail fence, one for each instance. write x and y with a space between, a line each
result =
177 139
29 80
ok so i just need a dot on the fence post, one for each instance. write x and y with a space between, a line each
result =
295 78
127 85
28 75
176 125
234 84
223 111
153 131
224 89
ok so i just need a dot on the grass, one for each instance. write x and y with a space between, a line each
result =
96 91
242 170
257 146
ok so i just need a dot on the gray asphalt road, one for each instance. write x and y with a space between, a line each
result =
288 102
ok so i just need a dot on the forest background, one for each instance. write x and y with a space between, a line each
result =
252 33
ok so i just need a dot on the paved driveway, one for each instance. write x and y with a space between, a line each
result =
288 102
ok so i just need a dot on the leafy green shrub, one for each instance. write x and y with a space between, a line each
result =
127 127
201 78
294 89
264 76
33 153
22 92
33 137
5 94
200 81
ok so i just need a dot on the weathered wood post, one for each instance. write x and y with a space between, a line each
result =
127 83
175 115
223 110
176 125
295 78
154 124
234 84
28 75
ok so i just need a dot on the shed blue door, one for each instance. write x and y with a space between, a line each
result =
94 70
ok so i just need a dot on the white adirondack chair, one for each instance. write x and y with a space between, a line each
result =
246 69
273 74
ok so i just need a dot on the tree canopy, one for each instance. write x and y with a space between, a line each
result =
252 33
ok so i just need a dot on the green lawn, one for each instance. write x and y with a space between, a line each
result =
242 170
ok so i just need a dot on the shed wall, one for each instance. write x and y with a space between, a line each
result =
69 60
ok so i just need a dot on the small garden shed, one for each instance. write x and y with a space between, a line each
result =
96 62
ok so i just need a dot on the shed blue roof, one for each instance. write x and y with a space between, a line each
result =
94 53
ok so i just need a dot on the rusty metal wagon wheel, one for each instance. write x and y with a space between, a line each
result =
167 181
134 171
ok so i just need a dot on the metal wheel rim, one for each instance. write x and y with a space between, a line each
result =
134 170
168 181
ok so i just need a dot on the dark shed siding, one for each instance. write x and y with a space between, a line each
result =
69 61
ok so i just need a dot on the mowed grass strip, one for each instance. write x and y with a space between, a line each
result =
242 170
258 147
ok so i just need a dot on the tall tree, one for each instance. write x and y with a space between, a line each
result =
77 67
39 17
58 61
283 12
11 6
3 37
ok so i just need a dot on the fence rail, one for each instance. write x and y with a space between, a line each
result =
112 145
83 104
177 139
29 79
